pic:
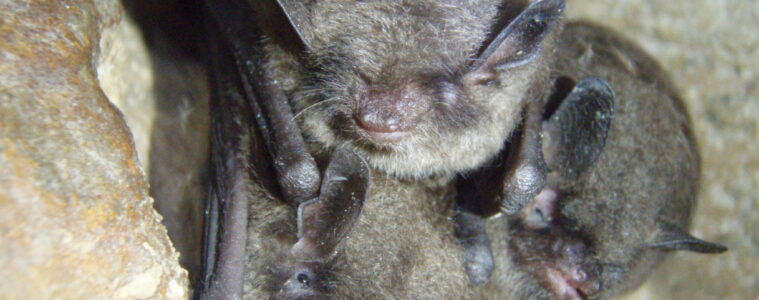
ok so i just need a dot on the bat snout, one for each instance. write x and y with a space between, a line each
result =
387 117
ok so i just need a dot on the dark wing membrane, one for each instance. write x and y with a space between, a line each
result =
244 99
226 208
505 184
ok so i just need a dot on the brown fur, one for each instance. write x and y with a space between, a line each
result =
401 248
651 168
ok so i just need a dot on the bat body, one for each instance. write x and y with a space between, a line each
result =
617 219
422 90
402 247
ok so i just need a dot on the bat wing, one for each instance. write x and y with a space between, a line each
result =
226 207
296 169
246 101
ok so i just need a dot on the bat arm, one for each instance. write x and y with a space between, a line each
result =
245 98
296 169
504 185
526 168
223 280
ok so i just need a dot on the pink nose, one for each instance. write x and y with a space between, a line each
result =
390 115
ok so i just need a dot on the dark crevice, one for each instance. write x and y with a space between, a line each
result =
562 86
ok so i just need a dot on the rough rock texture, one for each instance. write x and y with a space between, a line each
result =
76 221
167 111
710 48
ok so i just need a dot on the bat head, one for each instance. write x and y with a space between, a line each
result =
419 88
561 260
598 228
304 268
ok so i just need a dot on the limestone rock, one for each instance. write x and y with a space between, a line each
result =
76 221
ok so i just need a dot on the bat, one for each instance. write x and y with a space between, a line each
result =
623 173
405 103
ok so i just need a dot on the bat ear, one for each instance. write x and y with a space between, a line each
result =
575 133
299 14
674 238
519 42
325 221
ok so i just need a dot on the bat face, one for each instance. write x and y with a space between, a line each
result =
406 83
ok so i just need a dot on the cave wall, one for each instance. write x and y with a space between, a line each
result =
76 220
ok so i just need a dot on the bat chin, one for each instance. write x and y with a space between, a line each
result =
381 134
384 138
565 289
561 286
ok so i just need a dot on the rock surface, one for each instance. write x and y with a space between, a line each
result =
76 221
710 49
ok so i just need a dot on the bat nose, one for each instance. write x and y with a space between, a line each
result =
389 116
377 123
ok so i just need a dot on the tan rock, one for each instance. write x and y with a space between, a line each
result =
76 221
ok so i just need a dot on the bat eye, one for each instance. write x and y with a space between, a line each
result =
574 250
304 279
580 275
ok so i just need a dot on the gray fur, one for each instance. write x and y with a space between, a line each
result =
397 43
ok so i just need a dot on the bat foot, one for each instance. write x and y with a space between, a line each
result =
478 258
479 264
